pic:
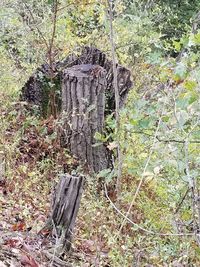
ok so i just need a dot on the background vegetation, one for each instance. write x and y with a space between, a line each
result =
159 129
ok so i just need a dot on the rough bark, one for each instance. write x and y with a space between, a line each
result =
92 55
36 89
83 105
65 205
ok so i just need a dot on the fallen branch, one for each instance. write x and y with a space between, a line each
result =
57 262
181 202
166 140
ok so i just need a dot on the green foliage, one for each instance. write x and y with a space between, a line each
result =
159 126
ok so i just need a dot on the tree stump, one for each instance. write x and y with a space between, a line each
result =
65 205
83 106
86 85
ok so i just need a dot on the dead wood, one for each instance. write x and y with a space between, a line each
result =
83 105
65 205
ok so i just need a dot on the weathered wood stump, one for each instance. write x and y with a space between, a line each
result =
65 205
83 106
86 85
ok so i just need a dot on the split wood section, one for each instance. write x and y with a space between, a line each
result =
65 205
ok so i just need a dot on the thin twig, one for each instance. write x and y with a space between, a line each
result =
61 8
166 140
74 5
53 35
124 216
144 170
177 141
140 227
51 57
57 260
181 202
117 97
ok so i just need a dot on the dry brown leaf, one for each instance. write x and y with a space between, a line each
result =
28 261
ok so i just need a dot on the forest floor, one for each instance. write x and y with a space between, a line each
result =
34 158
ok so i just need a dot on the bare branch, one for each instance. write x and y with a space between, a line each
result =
117 97
166 140
181 202
50 52
177 141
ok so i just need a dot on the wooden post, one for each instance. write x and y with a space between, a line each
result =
83 106
65 205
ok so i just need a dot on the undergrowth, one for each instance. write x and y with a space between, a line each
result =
34 160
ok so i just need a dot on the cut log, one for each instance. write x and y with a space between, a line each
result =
83 106
65 205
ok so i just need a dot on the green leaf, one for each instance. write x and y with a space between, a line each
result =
183 102
144 123
182 117
193 97
154 58
98 136
180 70
165 118
177 46
190 85
103 173
107 174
